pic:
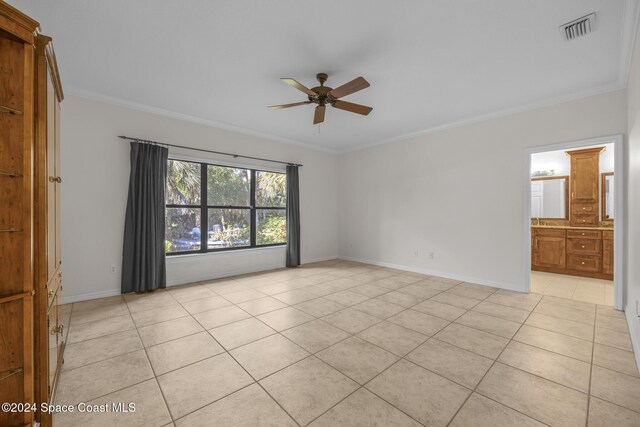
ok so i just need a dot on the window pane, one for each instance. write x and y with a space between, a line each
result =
271 226
228 186
229 228
182 229
183 183
271 189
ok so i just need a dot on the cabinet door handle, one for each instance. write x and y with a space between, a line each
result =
55 179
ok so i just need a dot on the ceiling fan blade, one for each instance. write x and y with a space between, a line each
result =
318 117
349 88
353 108
300 87
295 104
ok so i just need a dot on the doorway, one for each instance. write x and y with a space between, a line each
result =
574 227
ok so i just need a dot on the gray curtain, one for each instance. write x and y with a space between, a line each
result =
293 217
143 257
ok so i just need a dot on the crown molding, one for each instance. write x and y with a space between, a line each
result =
630 19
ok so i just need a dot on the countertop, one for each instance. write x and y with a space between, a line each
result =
568 227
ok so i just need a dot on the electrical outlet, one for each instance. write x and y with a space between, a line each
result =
113 269
431 255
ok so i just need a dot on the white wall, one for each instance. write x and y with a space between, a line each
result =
458 193
95 165
561 163
632 263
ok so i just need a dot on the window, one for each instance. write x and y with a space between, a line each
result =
239 208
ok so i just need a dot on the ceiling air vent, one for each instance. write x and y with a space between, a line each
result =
579 27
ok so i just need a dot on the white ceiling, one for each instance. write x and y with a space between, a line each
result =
430 63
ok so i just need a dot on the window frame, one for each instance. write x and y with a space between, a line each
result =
204 209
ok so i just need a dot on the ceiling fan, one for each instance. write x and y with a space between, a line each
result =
323 95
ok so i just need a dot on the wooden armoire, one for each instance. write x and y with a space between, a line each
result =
31 332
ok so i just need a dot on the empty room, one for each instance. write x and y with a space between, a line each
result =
339 213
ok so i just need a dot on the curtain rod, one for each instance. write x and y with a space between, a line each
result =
147 141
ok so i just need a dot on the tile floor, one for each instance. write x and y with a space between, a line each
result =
339 343
576 288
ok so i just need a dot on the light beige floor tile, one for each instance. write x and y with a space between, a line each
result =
609 311
541 399
438 309
270 354
456 364
350 320
261 305
285 318
605 414
347 297
561 326
104 347
370 290
539 287
444 280
149 300
297 296
419 322
474 340
378 308
617 324
515 299
419 291
220 316
471 290
364 409
97 379
552 366
169 330
243 296
615 387
98 328
98 313
564 302
437 285
561 290
197 385
392 283
248 407
615 359
315 335
393 338
456 300
157 315
205 304
150 409
478 411
319 307
565 312
184 293
183 351
588 296
93 304
402 299
613 339
502 311
425 396
357 359
484 322
308 388
241 332
557 343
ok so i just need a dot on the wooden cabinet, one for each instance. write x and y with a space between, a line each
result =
584 187
31 285
548 248
578 252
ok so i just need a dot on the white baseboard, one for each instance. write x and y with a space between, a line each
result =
508 286
91 295
634 330
319 259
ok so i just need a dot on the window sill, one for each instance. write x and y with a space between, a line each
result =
226 252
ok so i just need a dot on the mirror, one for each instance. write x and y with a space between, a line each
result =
550 197
606 198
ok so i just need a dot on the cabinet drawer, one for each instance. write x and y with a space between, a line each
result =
584 246
584 263
584 234
607 235
582 220
577 208
549 232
